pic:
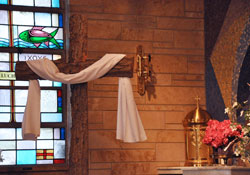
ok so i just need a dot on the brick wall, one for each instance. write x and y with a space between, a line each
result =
172 31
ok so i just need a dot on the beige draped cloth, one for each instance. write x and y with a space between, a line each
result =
129 125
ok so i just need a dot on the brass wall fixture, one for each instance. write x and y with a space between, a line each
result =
143 70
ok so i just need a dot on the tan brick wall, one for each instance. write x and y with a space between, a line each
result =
172 31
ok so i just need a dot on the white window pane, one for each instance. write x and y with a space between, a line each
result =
4 66
9 158
4 117
21 97
48 101
44 144
45 83
7 133
59 151
23 18
19 109
19 133
59 34
19 117
43 3
4 97
44 161
46 133
7 145
23 2
4 83
21 83
42 19
3 17
4 32
55 20
4 109
26 144
4 56
56 133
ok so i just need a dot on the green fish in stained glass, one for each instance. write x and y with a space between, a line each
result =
37 36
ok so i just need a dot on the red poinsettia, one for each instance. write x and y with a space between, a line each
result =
221 133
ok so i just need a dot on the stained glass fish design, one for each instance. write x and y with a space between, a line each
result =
37 36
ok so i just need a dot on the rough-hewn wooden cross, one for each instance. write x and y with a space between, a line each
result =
78 164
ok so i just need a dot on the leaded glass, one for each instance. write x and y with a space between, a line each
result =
23 18
43 3
5 145
39 37
59 151
56 3
19 117
4 83
19 133
48 101
19 109
9 158
45 83
46 148
4 109
23 2
21 97
45 144
55 19
25 157
4 37
62 133
57 84
56 133
36 3
4 97
5 117
51 117
7 133
26 144
44 161
30 56
45 154
46 133
21 83
32 29
43 19
4 17
3 1
37 30
4 56
4 66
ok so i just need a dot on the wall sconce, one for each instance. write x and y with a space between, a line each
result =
143 70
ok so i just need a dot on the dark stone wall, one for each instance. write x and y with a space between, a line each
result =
215 12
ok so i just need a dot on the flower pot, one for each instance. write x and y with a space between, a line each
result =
223 157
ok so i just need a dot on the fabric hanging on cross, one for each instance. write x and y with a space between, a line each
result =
129 125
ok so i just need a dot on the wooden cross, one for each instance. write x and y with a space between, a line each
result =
78 163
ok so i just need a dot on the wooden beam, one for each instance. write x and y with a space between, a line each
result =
123 69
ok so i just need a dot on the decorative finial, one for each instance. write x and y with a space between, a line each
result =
197 98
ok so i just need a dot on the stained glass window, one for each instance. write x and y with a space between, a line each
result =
34 3
31 32
31 29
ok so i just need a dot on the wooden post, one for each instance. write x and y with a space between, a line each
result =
78 160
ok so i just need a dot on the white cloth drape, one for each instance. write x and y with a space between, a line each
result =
129 125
